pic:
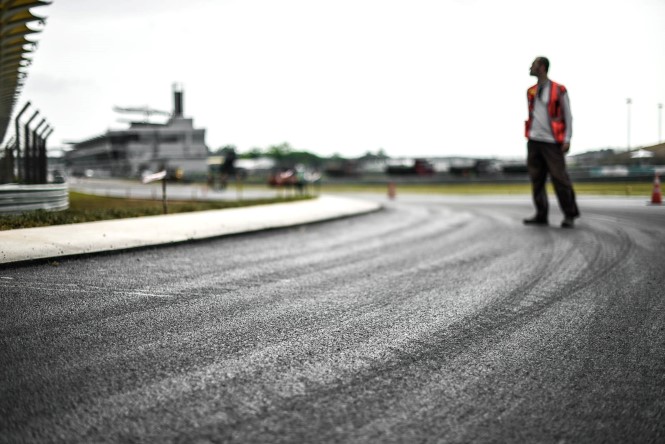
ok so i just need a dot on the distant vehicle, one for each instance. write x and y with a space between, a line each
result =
514 168
59 177
56 176
420 167
342 168
297 178
282 177
480 167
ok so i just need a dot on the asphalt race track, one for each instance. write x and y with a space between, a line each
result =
435 320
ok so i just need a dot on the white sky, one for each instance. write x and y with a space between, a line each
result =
416 77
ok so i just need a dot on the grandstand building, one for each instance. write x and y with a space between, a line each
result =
144 147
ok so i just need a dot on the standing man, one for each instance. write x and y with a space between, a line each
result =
548 131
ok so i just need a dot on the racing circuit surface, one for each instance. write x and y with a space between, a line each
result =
439 319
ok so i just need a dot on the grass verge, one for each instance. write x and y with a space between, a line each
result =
581 188
89 208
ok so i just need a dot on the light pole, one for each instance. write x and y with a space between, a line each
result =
628 102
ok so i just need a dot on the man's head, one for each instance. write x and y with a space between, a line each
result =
540 67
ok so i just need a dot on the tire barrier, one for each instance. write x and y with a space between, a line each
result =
16 199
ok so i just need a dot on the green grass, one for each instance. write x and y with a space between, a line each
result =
89 208
581 188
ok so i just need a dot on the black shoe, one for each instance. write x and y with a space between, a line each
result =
536 221
568 222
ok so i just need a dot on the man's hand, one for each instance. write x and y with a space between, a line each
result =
565 147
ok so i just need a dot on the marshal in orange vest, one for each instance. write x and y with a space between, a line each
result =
554 109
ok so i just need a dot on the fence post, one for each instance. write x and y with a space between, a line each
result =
43 158
27 155
17 131
34 162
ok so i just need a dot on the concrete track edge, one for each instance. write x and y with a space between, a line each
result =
49 243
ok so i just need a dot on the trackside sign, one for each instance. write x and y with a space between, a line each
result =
153 177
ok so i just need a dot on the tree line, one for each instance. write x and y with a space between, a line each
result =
284 153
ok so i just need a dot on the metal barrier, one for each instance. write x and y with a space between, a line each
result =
22 198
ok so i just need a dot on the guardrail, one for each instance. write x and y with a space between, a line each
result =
16 198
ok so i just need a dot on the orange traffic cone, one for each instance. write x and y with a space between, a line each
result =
656 196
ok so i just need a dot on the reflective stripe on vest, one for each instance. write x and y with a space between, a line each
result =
554 110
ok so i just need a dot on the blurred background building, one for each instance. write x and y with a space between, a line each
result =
145 147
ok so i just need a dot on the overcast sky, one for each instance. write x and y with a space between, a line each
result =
416 77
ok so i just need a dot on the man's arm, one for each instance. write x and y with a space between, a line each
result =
568 118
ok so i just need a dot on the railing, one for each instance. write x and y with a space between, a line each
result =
22 198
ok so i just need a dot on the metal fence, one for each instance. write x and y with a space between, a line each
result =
16 199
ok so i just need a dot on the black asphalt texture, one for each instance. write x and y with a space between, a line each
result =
429 321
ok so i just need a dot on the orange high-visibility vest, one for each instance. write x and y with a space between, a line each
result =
554 109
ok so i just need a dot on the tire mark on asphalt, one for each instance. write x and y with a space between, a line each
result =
79 383
182 288
331 394
341 387
378 309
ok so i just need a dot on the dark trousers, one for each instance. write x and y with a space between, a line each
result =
543 159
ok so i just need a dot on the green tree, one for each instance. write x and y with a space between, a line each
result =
223 149
279 152
253 153
303 157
